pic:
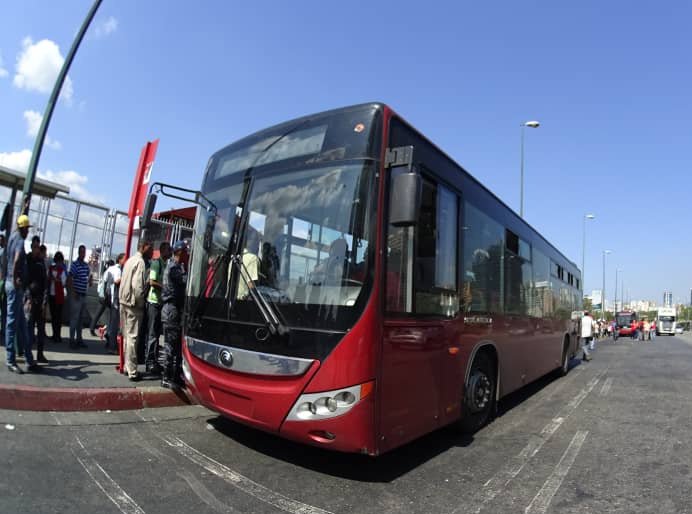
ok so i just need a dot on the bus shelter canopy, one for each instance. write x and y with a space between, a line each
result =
15 180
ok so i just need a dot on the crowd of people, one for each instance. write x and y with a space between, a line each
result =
133 291
593 330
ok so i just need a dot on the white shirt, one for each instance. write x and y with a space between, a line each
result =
113 274
587 326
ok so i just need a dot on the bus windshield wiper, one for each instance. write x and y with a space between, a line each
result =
268 311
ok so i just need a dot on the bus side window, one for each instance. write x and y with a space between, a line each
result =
422 260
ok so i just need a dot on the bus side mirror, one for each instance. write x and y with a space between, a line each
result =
148 212
209 230
405 199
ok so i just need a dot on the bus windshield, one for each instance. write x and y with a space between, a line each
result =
304 243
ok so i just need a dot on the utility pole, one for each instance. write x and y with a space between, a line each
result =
48 114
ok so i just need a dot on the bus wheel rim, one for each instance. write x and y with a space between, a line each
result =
479 391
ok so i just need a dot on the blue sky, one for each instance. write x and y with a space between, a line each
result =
609 82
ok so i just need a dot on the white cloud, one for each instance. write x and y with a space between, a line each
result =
106 28
76 182
38 66
18 161
3 71
33 124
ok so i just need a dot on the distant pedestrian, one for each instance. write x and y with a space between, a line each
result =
616 330
634 331
588 326
78 279
14 288
113 275
101 293
653 330
647 330
173 298
154 305
132 298
57 278
34 301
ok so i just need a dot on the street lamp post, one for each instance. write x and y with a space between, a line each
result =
616 289
583 246
603 295
530 124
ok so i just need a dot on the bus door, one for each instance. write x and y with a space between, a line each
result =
421 319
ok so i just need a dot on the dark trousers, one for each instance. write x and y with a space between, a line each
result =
113 328
55 317
153 334
37 325
170 354
99 313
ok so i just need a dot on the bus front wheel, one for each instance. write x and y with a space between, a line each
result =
478 403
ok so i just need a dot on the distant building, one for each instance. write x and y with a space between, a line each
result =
667 299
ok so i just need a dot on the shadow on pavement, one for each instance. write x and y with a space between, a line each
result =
362 468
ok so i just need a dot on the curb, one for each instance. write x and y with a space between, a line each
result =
69 399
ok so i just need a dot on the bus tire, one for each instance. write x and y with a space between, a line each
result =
564 368
478 403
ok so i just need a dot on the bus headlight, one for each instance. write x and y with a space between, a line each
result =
329 404
187 373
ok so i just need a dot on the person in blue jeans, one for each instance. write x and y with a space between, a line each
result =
16 278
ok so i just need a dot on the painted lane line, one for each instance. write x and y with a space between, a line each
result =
500 480
108 486
243 483
498 429
541 502
606 387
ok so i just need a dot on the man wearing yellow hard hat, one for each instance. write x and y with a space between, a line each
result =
16 278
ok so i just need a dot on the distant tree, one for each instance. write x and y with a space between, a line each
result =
588 306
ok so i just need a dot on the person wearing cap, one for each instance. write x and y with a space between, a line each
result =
173 298
16 278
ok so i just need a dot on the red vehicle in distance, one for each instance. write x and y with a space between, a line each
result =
623 321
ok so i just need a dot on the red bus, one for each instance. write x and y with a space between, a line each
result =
623 322
353 288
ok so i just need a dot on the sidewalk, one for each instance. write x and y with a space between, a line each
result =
80 380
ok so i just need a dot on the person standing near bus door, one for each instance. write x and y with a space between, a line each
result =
587 330
132 299
156 270
173 298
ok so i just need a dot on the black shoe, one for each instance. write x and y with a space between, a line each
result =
136 377
93 332
33 368
170 384
41 358
155 370
13 368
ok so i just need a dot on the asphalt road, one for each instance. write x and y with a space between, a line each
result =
612 436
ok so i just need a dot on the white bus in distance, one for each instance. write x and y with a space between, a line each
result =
665 321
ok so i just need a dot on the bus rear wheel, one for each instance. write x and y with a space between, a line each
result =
478 403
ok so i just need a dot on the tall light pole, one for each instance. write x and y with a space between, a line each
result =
583 246
603 296
616 289
530 124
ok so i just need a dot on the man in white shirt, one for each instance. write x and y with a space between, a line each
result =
587 330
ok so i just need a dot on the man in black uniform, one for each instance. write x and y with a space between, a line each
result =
173 298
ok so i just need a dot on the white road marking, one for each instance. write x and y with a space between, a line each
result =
241 482
500 480
606 387
110 487
56 418
541 501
